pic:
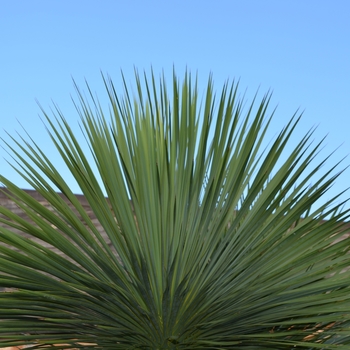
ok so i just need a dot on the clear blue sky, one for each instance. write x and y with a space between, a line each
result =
299 49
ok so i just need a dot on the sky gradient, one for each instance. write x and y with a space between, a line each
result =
299 50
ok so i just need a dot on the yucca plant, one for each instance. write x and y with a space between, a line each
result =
212 237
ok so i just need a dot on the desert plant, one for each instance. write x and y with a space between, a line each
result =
213 238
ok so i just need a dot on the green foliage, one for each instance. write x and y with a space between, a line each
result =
214 241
